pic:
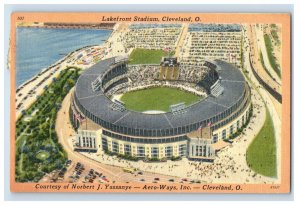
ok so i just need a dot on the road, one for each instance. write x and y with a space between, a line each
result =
262 47
113 173
183 34
254 51
273 105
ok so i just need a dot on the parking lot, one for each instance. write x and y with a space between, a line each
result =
77 172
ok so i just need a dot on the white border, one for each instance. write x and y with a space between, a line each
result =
296 101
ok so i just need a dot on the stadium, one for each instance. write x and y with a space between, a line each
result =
196 130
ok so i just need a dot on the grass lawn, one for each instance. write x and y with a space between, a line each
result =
36 138
271 57
263 64
42 155
274 33
158 98
261 154
146 56
20 164
20 140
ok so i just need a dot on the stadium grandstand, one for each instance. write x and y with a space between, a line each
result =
187 130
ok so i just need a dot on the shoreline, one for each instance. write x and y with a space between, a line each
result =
84 57
53 27
57 25
43 70
59 61
30 90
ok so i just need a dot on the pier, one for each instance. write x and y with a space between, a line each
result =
98 26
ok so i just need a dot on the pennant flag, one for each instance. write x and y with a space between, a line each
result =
199 129
167 49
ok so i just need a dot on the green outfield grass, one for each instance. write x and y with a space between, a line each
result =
158 98
261 154
146 56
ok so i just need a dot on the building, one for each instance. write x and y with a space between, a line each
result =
163 135
86 141
200 144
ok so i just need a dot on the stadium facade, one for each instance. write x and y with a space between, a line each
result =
196 131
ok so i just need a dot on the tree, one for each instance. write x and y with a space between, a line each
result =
70 82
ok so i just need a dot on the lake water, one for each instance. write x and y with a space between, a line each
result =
38 48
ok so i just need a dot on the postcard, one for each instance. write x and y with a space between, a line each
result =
150 102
